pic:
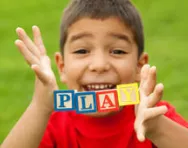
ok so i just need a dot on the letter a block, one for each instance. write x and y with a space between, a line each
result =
85 102
107 100
64 100
128 94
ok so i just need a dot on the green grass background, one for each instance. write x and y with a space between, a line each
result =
166 34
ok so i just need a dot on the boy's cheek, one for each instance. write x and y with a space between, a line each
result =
138 78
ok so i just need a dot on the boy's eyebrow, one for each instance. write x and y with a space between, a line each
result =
79 36
119 36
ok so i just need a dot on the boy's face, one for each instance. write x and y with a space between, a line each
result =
99 54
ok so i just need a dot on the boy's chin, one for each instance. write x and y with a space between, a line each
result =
102 114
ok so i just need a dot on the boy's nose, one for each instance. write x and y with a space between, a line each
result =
99 63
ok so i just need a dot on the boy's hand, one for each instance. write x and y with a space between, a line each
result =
35 55
150 95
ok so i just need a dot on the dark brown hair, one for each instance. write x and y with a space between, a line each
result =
103 9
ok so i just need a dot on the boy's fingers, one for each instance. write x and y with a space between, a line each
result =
156 96
154 112
140 130
28 42
151 81
26 53
141 134
38 39
149 114
144 77
144 73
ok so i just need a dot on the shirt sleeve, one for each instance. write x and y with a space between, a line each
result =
172 114
47 140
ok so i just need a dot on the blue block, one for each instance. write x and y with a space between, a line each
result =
85 102
64 100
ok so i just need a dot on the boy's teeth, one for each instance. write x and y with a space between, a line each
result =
99 86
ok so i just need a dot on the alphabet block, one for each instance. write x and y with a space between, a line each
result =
104 100
128 94
85 102
107 100
64 100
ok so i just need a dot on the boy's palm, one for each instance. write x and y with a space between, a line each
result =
35 55
150 95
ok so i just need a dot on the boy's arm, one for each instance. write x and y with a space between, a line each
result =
165 133
28 131
150 121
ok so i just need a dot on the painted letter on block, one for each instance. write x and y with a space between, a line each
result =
85 102
128 94
64 100
107 100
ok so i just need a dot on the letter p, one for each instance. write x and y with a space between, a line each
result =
64 100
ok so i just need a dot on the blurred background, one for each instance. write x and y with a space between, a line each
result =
166 35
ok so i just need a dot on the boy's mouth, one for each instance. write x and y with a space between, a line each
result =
97 87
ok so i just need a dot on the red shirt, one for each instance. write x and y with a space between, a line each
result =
71 130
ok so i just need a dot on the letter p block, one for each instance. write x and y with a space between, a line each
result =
64 100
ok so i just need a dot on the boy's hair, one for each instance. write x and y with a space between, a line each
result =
103 9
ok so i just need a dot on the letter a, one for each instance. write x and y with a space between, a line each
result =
107 100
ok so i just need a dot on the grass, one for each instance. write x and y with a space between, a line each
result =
166 42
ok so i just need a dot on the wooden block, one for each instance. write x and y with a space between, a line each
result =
128 94
85 102
107 100
64 100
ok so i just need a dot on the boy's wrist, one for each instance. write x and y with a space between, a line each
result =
45 111
153 127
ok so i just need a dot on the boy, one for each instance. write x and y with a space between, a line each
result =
101 46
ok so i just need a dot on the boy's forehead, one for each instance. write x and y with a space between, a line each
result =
109 26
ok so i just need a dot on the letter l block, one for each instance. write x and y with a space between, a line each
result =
85 102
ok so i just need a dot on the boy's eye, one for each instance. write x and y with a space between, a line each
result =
81 51
118 51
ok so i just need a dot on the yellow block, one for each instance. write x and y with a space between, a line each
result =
128 94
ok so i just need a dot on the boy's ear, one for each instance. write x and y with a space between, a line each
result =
60 66
143 59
